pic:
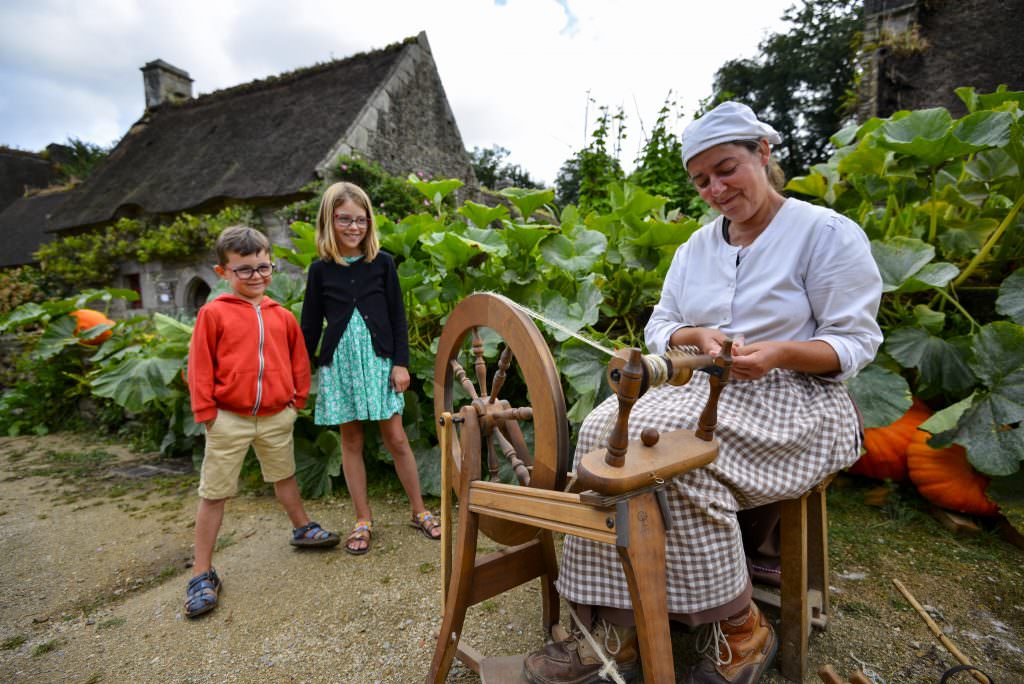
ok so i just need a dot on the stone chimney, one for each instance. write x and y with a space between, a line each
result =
165 83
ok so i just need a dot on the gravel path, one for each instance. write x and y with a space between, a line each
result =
94 565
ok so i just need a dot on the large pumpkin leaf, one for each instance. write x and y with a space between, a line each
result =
900 258
941 363
576 255
989 427
528 201
481 215
998 352
23 315
929 134
1011 297
314 468
525 237
881 395
435 190
932 276
137 381
450 252
582 366
59 335
660 234
993 446
428 465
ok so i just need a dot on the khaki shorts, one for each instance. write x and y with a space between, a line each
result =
228 441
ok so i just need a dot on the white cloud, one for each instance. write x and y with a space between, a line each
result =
517 72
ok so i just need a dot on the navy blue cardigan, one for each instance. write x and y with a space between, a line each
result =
334 291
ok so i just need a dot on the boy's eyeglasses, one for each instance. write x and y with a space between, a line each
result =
345 221
247 272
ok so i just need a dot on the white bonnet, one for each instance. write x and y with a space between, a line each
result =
728 122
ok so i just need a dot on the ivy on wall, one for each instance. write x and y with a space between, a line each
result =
92 259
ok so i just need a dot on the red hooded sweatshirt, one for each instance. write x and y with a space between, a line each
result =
246 359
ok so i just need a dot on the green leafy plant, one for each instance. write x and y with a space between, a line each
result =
941 200
93 258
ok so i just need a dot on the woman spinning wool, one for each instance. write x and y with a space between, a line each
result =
798 282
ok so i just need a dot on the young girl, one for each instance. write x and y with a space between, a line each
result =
364 353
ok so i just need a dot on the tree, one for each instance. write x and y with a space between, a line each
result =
492 171
78 158
802 80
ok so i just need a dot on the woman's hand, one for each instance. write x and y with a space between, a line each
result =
399 378
752 361
708 340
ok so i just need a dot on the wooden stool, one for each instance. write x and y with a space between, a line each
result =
803 601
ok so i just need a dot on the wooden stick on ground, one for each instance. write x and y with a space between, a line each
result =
938 632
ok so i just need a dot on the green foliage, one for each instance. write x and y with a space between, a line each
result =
660 169
93 259
941 200
81 159
801 81
19 286
492 171
584 179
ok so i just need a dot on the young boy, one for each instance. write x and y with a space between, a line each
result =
248 375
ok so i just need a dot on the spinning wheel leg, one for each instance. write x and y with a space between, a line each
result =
643 561
459 594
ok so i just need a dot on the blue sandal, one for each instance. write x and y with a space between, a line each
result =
312 535
202 593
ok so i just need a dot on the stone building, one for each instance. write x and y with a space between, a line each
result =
260 144
917 52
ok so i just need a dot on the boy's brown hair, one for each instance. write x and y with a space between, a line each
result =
242 240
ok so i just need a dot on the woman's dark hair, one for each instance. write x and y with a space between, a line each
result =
776 176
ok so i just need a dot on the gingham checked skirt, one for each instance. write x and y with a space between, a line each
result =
779 435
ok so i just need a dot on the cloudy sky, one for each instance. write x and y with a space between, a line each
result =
518 73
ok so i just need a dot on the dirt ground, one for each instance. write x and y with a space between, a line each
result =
95 542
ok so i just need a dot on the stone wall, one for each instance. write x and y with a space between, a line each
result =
920 52
408 125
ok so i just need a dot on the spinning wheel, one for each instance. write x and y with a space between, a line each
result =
625 505
490 424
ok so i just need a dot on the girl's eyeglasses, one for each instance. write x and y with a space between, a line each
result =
345 221
247 272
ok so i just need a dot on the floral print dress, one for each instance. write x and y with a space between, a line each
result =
357 384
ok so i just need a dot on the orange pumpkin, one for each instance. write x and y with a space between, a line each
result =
90 318
946 478
885 448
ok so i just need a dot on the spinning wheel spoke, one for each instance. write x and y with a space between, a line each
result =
460 376
500 373
509 452
541 462
479 364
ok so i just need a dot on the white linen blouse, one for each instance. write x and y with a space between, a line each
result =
808 276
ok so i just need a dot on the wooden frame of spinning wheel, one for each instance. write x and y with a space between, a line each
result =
524 518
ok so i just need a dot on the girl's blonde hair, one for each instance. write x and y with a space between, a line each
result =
326 244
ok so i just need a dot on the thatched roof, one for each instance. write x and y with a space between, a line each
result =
20 170
259 140
24 225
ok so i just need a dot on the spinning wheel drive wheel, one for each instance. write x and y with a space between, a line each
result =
487 423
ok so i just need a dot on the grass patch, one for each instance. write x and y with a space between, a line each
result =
426 568
45 647
94 678
111 623
13 642
224 541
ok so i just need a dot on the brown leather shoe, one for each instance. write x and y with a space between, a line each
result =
573 660
735 651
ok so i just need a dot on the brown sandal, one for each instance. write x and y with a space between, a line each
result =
426 523
362 532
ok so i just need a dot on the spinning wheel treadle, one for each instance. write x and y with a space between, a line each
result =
546 465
